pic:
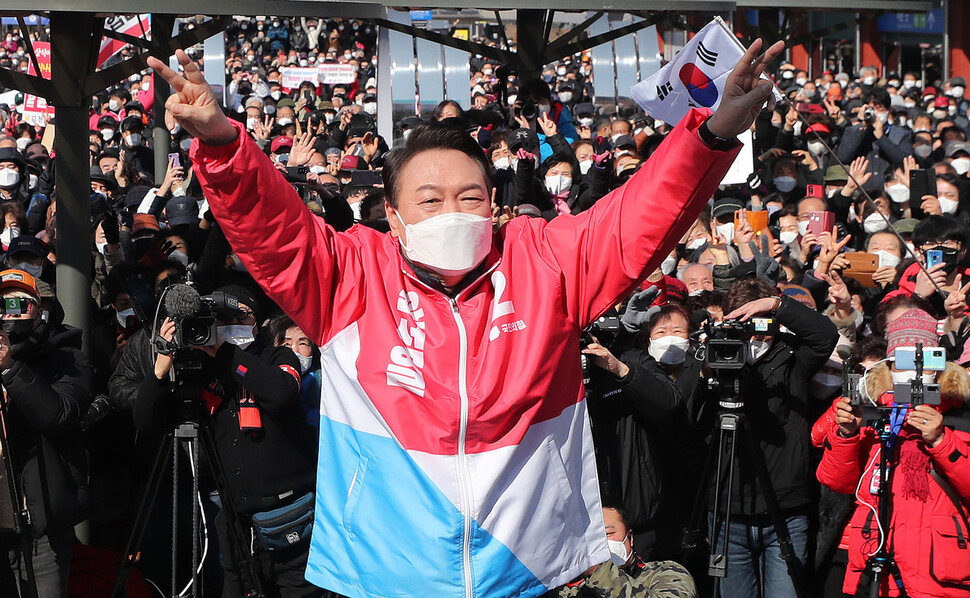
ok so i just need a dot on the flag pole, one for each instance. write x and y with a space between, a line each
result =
805 124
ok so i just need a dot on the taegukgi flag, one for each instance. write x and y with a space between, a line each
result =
695 77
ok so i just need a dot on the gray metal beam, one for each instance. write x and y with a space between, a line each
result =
556 50
369 9
445 40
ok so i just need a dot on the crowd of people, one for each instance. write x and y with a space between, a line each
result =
850 262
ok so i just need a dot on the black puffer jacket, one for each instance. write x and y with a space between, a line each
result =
49 390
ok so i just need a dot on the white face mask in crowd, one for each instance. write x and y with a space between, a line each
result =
502 163
948 206
961 165
584 166
787 236
803 227
784 183
669 264
305 362
240 335
370 108
886 258
9 234
874 223
726 231
23 142
907 376
669 350
122 316
618 551
558 184
816 147
898 192
9 177
451 244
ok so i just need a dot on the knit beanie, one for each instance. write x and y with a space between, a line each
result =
911 327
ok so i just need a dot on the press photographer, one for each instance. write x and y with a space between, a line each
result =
928 468
47 387
773 399
250 399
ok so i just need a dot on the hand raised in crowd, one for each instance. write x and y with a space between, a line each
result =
755 308
839 295
833 110
848 418
829 251
743 235
878 128
638 310
370 143
928 421
858 173
790 119
547 125
807 159
585 131
164 361
523 121
924 284
606 360
805 245
771 155
261 130
193 105
173 176
718 246
884 275
745 92
302 150
956 301
345 117
909 165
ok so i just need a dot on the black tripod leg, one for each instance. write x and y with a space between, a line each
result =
238 543
141 519
792 563
696 524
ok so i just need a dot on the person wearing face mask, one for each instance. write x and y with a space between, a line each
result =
27 253
944 234
287 334
775 382
627 574
642 403
446 304
562 186
537 91
261 431
874 137
930 477
958 154
136 153
47 384
13 176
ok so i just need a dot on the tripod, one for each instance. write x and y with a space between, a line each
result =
21 518
720 464
193 429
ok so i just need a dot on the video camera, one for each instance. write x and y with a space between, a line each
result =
727 341
603 330
195 317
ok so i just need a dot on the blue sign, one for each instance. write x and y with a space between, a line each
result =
420 15
28 20
908 22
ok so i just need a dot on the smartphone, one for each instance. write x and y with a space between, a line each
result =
815 191
921 182
309 97
820 222
934 358
861 267
757 219
175 159
933 257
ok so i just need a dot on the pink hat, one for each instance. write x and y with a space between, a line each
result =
911 327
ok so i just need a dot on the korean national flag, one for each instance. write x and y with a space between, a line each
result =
694 78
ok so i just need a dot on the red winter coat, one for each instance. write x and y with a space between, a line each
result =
926 529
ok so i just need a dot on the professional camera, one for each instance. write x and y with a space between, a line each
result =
604 330
727 341
869 115
195 317
527 110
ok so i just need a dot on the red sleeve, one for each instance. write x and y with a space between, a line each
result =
824 424
841 463
951 459
604 252
313 272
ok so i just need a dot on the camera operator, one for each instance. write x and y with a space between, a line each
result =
775 388
251 395
639 412
47 382
930 480
874 138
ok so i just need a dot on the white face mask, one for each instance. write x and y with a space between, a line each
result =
898 192
134 139
180 257
584 166
305 362
123 316
113 105
909 103
668 265
961 165
883 117
31 269
502 163
586 122
907 376
618 552
696 243
957 91
874 223
757 349
370 108
887 259
726 231
545 109
9 177
566 96
558 184
909 83
787 236
23 142
107 134
240 335
251 123
101 247
10 233
868 80
146 86
948 206
816 147
452 244
803 227
669 350
284 121
923 151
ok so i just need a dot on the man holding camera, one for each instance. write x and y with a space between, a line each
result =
47 387
250 398
874 138
775 391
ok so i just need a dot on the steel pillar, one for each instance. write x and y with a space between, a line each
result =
530 42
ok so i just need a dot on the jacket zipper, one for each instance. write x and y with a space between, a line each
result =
462 470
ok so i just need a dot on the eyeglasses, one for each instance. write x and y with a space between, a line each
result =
956 245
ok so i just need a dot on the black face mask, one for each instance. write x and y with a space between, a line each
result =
18 330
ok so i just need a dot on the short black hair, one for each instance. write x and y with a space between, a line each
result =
880 96
746 290
938 228
428 137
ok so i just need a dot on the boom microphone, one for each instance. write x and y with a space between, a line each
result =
182 301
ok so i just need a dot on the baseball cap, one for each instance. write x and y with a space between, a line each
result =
818 129
351 163
957 146
144 223
18 279
280 142
835 174
26 244
182 210
905 225
625 141
941 102
726 206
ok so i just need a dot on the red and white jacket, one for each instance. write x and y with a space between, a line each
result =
455 451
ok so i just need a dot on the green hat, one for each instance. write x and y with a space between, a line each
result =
906 225
283 103
836 173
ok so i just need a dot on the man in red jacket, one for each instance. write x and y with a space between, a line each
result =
455 451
